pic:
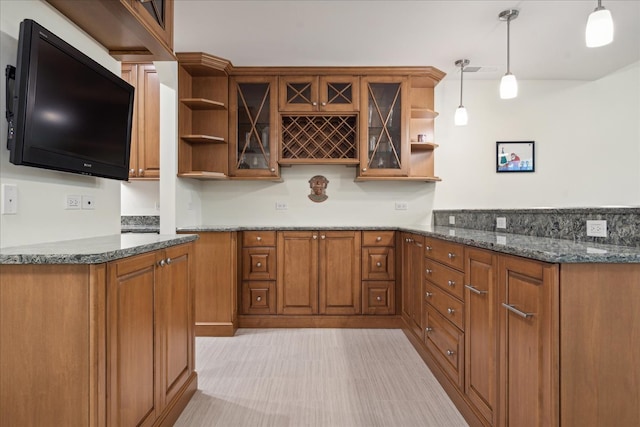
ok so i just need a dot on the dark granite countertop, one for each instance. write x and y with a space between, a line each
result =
538 248
140 229
93 250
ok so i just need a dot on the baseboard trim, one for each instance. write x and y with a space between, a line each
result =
215 329
171 413
286 321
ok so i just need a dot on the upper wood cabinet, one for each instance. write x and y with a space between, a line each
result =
144 163
319 93
132 30
253 128
203 119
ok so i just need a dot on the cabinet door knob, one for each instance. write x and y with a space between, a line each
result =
450 352
378 264
314 103
259 264
259 239
428 248
162 263
323 237
169 260
378 239
427 330
258 299
429 271
315 237
452 255
378 298
364 169
450 310
141 172
273 170
451 283
324 104
428 294
132 171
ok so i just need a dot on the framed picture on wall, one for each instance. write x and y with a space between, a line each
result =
515 156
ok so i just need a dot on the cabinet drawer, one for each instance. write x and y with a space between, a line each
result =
259 264
450 254
259 297
451 281
258 238
378 264
378 238
449 307
378 297
446 343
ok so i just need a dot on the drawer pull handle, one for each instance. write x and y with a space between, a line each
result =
475 290
450 352
428 248
512 309
450 310
378 298
451 283
378 264
428 294
259 264
259 239
429 271
259 299
427 330
378 239
452 255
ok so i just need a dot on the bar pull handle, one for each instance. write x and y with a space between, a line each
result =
512 309
475 290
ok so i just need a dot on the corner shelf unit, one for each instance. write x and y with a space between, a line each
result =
422 122
203 126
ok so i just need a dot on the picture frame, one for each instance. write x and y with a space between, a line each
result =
515 156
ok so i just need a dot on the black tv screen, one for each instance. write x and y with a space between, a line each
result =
71 113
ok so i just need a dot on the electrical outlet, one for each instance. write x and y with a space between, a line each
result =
88 202
282 206
501 240
452 220
9 199
501 222
597 228
402 206
73 202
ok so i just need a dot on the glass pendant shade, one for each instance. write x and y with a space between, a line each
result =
508 86
599 28
461 117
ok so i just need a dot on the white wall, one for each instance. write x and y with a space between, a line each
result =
140 198
41 215
587 143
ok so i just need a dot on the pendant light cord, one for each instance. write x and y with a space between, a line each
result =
461 74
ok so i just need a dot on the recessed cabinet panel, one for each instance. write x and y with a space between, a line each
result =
259 297
259 263
378 264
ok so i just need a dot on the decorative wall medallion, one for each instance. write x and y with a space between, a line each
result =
318 186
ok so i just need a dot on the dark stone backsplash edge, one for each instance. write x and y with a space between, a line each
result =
623 223
148 220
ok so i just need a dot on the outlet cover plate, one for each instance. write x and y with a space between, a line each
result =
402 206
73 202
597 228
501 222
452 220
88 202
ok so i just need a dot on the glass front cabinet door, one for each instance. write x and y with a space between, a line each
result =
384 143
253 127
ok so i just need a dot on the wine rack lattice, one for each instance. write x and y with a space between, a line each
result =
329 138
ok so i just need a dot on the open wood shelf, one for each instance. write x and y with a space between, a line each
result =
423 113
205 175
398 178
203 104
204 139
422 146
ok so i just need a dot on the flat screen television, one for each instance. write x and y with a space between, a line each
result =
71 113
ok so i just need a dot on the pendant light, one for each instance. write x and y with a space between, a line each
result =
508 84
461 118
599 30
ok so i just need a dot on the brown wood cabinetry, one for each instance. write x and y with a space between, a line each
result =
253 129
527 345
481 331
259 272
216 274
412 278
319 272
378 272
111 344
132 30
326 93
203 150
144 163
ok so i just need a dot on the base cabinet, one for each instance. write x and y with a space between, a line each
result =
318 272
100 345
412 280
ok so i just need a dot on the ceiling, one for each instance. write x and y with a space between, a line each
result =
547 38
